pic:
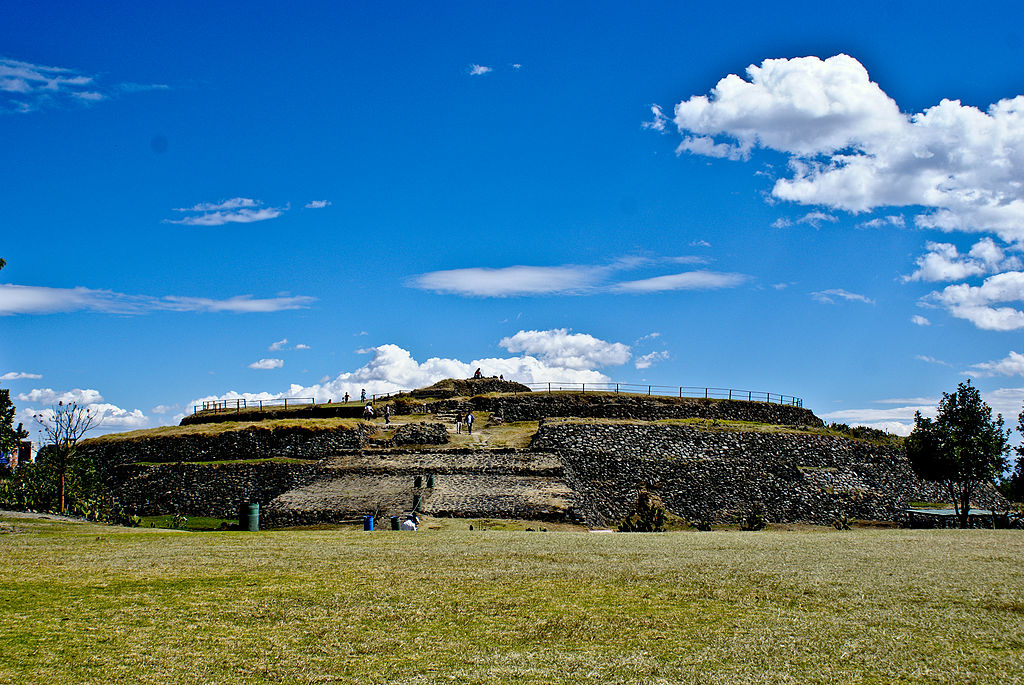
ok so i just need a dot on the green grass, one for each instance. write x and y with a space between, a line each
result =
87 603
208 429
195 523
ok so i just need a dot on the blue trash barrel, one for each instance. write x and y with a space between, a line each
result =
367 523
253 518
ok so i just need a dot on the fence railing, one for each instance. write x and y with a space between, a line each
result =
240 404
617 388
670 391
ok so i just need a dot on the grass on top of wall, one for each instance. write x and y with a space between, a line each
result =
211 429
88 603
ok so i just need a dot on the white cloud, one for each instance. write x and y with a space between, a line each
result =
479 70
931 360
1005 401
851 148
240 210
974 303
896 420
28 299
18 375
691 280
26 87
318 204
828 296
781 222
49 396
884 222
943 262
919 320
510 281
516 65
557 357
278 345
559 347
266 364
112 416
1012 365
166 408
699 243
648 360
301 346
815 219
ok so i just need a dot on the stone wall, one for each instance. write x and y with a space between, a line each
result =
251 442
538 405
720 475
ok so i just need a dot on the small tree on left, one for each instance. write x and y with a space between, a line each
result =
64 424
10 436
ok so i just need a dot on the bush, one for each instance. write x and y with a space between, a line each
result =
754 519
842 522
648 515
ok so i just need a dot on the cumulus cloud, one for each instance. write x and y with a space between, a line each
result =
555 356
318 204
266 364
301 346
28 299
278 345
931 360
19 375
1012 365
50 396
559 347
919 320
828 296
976 303
943 262
166 408
851 148
896 420
479 70
239 210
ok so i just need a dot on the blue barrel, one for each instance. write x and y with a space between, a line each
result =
367 523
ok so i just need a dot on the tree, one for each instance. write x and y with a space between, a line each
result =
963 447
64 425
1013 487
9 435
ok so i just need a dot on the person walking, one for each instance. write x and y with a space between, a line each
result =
362 396
458 422
469 423
346 398
387 414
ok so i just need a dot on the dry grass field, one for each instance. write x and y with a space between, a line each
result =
83 603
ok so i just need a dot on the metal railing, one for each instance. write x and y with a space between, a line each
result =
670 391
242 403
617 388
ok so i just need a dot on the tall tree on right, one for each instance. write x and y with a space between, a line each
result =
962 447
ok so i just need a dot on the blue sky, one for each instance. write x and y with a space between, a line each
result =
243 200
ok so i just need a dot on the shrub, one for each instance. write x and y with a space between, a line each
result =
648 515
842 522
754 519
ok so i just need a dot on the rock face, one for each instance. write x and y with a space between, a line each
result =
421 434
720 475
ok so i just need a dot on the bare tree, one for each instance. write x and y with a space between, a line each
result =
64 425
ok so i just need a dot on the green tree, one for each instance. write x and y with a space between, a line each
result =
1013 487
9 435
962 448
